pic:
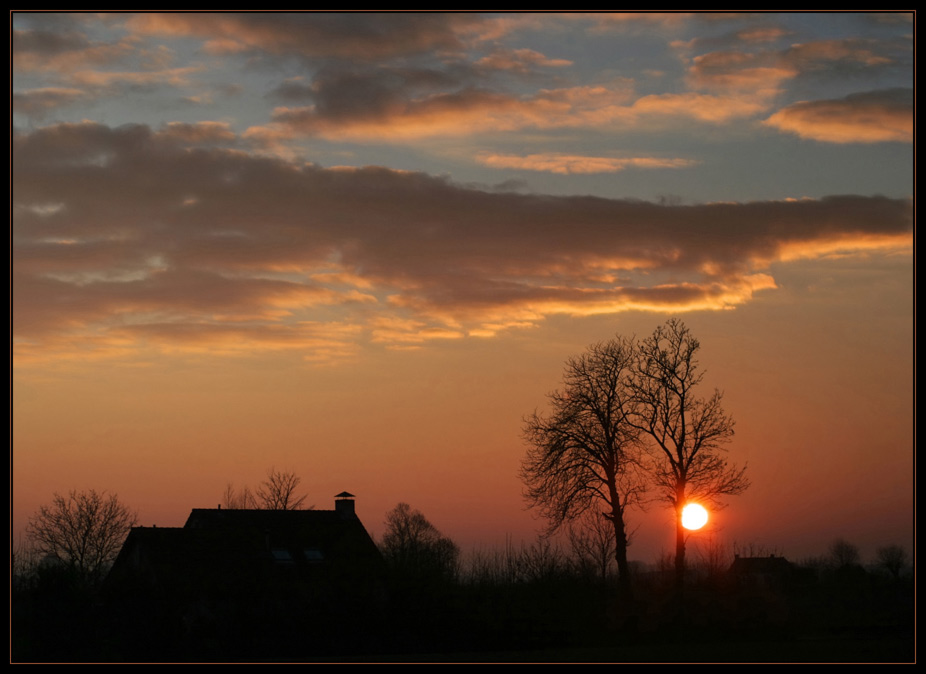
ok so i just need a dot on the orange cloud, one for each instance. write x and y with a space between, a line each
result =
873 117
703 107
764 72
578 164
863 52
474 111
761 74
461 113
100 78
519 60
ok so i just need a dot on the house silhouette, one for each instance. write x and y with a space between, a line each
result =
770 571
229 571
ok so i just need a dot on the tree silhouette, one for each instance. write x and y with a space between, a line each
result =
843 554
688 433
238 499
591 538
584 454
893 559
277 492
414 547
84 530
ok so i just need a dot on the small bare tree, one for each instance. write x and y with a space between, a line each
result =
893 559
84 529
592 540
843 554
278 491
238 499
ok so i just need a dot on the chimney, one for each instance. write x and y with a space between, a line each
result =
344 505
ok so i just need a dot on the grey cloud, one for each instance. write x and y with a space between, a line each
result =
222 235
353 35
342 95
47 42
39 103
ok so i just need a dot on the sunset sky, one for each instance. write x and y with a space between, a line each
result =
361 246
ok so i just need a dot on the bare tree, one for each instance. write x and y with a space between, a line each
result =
584 453
415 548
278 491
688 433
843 554
84 529
893 559
238 499
592 540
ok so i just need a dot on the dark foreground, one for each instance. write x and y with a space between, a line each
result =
819 650
849 618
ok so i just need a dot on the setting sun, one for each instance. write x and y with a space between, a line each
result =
694 516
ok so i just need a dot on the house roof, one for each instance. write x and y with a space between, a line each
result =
217 544
761 565
334 533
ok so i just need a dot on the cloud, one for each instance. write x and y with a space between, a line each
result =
391 115
357 36
870 117
701 107
200 133
521 61
131 235
578 164
824 53
739 67
763 74
39 103
175 77
64 50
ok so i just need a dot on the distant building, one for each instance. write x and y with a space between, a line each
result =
770 571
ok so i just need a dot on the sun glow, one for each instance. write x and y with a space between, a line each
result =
694 516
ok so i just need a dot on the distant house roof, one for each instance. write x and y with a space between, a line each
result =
760 565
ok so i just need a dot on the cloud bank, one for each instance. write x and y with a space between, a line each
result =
134 238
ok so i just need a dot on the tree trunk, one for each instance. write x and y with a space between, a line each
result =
679 540
625 589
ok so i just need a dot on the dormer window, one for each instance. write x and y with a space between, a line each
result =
282 556
313 555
